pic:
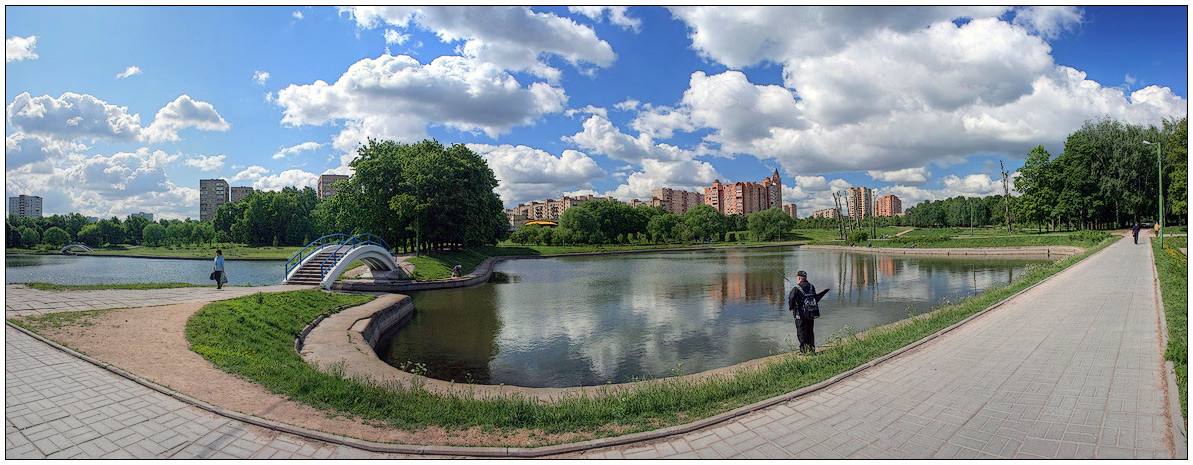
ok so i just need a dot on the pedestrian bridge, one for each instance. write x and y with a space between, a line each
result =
325 258
82 247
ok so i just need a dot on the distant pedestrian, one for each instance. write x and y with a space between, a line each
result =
1135 232
456 270
219 269
805 314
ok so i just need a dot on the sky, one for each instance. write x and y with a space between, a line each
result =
117 110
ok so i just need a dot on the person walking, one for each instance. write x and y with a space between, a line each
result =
219 269
1135 232
804 318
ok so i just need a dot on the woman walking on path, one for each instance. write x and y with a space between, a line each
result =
219 269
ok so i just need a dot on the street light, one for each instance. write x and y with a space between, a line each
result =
1160 178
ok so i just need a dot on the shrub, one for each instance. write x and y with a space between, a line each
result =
858 236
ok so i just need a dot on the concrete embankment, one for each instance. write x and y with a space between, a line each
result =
1052 251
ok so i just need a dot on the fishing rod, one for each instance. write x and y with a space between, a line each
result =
784 276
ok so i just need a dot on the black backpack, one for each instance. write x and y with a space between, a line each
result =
809 307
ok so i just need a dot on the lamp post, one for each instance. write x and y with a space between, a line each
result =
1160 179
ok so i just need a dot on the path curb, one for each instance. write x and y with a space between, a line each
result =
517 452
1180 439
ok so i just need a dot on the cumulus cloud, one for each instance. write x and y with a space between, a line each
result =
251 173
601 136
295 149
525 173
72 117
617 15
259 77
587 110
395 37
908 175
1048 22
205 163
396 97
21 149
20 48
183 113
289 178
130 71
508 37
296 14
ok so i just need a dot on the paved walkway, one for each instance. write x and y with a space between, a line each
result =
1062 371
20 300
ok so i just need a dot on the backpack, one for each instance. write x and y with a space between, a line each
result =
809 307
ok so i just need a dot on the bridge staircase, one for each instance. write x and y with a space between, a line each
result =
323 259
310 273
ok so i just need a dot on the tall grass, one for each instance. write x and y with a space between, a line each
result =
1172 265
255 340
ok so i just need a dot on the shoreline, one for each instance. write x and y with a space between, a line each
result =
158 257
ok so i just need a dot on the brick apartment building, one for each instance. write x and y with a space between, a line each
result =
790 210
745 197
326 184
861 202
826 213
677 201
238 193
546 210
212 194
888 205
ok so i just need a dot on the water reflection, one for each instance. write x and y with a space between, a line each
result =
591 320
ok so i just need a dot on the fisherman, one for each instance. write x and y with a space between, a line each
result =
804 317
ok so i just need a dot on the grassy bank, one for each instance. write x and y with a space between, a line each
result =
93 287
253 337
1173 268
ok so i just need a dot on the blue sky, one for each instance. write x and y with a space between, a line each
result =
115 110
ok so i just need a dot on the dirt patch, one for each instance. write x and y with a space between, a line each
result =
151 343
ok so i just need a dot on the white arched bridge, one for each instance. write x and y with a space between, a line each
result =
325 258
82 247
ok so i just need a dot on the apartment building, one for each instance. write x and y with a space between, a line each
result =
653 202
861 202
25 206
546 210
826 213
326 184
148 216
790 210
888 205
677 201
212 194
745 197
238 193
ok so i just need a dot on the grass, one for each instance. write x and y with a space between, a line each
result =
1173 268
253 337
60 320
231 251
93 287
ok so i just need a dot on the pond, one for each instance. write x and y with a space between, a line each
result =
572 321
99 269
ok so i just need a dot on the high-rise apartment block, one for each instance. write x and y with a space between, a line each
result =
25 206
148 216
745 197
677 201
790 210
860 202
826 213
326 184
652 202
212 194
237 193
547 210
888 205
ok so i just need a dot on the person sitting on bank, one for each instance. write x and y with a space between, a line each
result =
456 270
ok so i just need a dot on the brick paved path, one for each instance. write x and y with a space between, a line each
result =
23 301
1058 372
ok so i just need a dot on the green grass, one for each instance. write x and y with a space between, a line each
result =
92 287
231 251
59 320
253 337
1173 268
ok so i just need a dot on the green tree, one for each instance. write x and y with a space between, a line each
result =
703 221
112 230
56 237
29 236
582 224
133 227
768 224
153 234
660 227
91 235
1037 185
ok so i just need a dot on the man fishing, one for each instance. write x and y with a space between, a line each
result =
803 301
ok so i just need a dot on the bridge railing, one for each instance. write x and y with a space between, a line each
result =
314 246
347 246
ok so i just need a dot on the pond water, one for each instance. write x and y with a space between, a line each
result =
98 269
563 322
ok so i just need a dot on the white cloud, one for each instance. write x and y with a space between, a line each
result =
509 37
908 175
525 173
205 163
259 77
587 110
183 113
628 104
1048 21
396 38
617 15
72 117
296 15
396 97
20 48
251 173
130 71
21 149
289 178
295 149
684 174
601 136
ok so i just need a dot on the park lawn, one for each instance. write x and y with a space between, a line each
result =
253 337
231 251
1172 267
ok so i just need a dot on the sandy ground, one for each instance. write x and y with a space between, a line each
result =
151 343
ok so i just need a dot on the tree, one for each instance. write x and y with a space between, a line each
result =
112 231
153 234
29 236
768 224
1037 186
703 221
661 227
56 237
91 235
133 227
582 223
